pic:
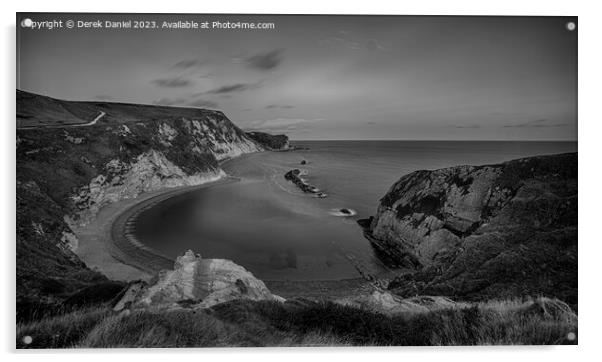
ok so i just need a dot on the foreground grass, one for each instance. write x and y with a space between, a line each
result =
306 323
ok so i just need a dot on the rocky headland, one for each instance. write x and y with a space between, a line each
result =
270 142
482 232
74 158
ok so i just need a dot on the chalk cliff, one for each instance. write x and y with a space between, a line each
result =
478 232
196 283
73 158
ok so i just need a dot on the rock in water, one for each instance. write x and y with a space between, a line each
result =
201 283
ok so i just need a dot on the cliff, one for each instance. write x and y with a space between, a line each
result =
75 157
270 142
479 232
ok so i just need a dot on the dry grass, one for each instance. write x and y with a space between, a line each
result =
306 323
63 331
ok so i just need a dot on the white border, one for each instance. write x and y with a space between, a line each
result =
590 108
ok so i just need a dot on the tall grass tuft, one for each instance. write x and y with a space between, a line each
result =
308 323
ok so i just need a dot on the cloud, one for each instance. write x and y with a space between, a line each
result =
334 40
470 126
233 88
189 63
279 106
186 102
281 124
374 44
174 82
265 61
203 103
538 123
171 101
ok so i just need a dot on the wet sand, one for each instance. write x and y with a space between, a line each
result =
103 245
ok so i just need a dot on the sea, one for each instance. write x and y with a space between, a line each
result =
266 224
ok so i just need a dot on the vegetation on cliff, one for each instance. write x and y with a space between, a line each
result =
476 233
271 142
75 157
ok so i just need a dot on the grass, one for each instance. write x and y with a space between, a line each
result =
306 323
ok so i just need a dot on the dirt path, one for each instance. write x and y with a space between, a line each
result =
91 123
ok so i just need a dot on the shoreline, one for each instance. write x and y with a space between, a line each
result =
108 245
108 251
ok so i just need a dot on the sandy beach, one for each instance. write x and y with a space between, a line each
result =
104 245
108 245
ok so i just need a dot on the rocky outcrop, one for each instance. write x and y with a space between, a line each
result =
270 142
483 231
387 303
196 283
294 176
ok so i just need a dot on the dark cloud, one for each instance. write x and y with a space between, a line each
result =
189 63
265 61
473 126
538 123
279 106
233 88
174 82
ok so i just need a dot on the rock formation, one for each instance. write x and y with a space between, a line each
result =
478 232
294 176
196 283
73 158
387 303
270 142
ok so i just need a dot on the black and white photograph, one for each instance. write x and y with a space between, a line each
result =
194 180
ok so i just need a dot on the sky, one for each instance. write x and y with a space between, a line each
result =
325 77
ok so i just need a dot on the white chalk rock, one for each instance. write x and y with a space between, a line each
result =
204 283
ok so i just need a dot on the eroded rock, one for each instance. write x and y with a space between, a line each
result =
199 283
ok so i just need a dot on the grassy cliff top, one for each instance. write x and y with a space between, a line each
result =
34 110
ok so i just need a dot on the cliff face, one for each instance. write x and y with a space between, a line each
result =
270 142
75 157
480 232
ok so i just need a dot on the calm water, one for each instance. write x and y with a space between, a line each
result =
276 231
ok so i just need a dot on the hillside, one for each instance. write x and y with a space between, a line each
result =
216 303
66 173
482 232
